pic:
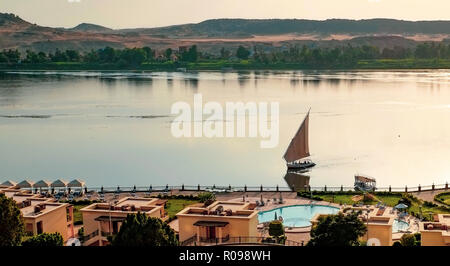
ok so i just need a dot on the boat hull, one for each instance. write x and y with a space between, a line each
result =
300 166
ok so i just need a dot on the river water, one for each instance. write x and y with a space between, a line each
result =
114 128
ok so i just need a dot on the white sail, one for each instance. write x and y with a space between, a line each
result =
299 146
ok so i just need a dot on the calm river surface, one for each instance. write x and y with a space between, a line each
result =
114 128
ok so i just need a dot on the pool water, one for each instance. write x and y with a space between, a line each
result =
297 215
399 226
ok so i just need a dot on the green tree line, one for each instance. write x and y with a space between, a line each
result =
307 56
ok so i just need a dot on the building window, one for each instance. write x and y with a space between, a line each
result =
39 228
29 229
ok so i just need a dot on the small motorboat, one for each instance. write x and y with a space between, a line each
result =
365 183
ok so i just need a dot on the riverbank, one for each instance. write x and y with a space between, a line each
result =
223 65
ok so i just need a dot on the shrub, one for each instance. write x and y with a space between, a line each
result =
143 231
338 230
418 238
307 195
44 240
406 199
276 229
429 204
206 197
81 234
408 240
397 244
281 239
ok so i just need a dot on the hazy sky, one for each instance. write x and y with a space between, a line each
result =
151 13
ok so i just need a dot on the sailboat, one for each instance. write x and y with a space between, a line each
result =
298 149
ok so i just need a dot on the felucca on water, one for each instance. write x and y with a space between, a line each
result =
298 149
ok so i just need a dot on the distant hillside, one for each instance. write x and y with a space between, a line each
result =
224 27
87 27
11 19
212 35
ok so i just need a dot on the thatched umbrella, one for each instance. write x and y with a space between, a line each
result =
9 183
59 183
76 183
26 184
42 184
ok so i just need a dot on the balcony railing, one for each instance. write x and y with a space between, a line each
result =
260 240
237 240
189 242
106 234
216 240
91 235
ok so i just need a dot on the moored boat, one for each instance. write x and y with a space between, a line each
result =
365 183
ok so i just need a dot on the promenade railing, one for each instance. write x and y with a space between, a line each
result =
261 188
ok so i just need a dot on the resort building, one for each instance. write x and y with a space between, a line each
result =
217 223
436 233
103 219
378 221
43 215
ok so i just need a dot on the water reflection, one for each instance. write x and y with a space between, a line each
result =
243 78
296 180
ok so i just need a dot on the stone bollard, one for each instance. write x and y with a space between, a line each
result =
325 188
198 187
432 187
278 188
261 188
446 186
342 188
420 188
390 189
229 187
245 188
182 187
406 188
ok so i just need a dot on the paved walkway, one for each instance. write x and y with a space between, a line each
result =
429 195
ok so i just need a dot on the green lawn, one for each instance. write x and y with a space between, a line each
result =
77 216
447 200
173 206
443 198
390 200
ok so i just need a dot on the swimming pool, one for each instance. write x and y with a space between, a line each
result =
399 226
296 215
